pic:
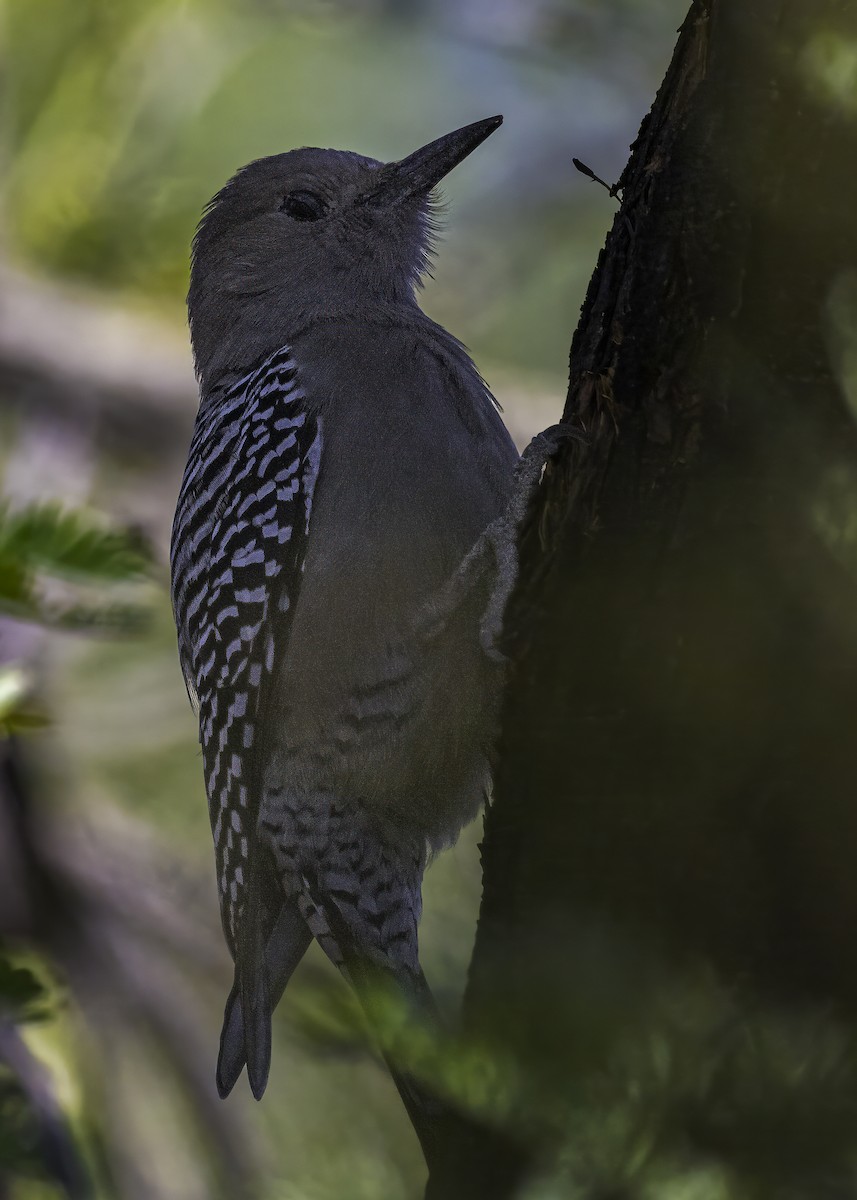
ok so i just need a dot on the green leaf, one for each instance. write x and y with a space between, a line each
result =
14 685
16 593
18 712
22 992
64 542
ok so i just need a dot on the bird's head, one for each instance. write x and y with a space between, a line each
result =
307 234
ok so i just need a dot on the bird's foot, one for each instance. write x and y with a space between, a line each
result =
497 546
502 535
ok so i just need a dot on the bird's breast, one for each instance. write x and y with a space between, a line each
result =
406 486
415 464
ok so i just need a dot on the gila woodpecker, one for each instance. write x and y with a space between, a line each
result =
332 569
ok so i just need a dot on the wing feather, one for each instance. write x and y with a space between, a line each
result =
239 543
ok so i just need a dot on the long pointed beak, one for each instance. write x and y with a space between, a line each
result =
420 171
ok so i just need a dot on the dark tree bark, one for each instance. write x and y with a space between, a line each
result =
678 759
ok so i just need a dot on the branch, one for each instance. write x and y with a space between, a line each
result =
70 356
674 790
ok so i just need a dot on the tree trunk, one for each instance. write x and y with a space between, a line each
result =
675 793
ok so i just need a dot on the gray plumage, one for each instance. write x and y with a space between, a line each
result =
347 460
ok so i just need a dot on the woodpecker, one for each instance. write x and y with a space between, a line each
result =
334 598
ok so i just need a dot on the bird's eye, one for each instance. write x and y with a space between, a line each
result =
303 206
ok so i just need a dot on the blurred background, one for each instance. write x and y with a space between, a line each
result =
120 121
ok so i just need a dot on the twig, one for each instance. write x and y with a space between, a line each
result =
612 189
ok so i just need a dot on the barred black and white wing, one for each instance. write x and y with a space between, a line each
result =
238 548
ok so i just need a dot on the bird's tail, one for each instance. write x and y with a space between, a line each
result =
371 974
261 974
447 1133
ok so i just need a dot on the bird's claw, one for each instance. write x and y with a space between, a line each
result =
489 638
528 473
542 448
503 533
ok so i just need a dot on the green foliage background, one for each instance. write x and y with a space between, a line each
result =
121 119
124 118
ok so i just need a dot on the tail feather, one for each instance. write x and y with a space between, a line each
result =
232 1056
252 971
260 980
